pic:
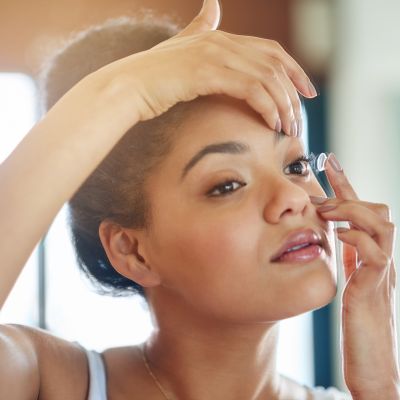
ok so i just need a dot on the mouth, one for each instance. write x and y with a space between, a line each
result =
305 254
301 246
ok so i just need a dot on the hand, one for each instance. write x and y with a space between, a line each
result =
368 302
201 60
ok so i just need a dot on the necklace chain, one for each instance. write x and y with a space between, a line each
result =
156 381
162 390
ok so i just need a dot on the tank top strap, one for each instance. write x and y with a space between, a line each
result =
97 375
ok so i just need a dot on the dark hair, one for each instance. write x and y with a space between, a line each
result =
115 190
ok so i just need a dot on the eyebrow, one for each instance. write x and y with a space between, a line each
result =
232 147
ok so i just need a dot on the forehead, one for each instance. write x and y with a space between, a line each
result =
219 118
211 114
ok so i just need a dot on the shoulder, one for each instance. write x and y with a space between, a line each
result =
126 374
49 362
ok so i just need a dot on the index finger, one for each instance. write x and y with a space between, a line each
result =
274 49
338 180
343 190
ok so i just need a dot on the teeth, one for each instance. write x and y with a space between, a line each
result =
300 246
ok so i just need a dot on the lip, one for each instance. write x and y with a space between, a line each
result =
299 237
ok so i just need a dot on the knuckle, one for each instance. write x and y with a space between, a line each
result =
271 72
253 87
276 44
276 64
383 210
390 227
383 261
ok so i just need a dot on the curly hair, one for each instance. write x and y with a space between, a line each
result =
115 190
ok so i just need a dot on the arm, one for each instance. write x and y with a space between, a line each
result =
50 164
19 372
61 151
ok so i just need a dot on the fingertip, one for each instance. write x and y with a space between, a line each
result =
220 13
211 11
208 18
278 125
312 90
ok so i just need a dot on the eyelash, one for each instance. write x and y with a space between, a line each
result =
308 159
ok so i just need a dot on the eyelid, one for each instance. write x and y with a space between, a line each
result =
224 182
304 157
309 159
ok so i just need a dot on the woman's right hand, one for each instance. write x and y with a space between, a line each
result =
201 60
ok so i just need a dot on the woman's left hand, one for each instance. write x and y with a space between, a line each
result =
369 339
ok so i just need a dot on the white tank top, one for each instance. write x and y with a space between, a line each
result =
98 385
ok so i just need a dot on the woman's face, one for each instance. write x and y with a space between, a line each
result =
218 220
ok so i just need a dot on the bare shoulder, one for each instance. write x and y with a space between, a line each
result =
126 374
56 368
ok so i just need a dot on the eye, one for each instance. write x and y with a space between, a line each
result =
301 166
225 188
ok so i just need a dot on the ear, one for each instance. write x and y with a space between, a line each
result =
125 250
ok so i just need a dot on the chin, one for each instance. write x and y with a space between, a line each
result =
324 288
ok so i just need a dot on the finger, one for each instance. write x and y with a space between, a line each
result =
294 98
392 274
338 180
363 219
368 252
241 86
207 19
274 49
271 78
349 258
378 208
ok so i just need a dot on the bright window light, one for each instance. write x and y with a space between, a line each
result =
17 116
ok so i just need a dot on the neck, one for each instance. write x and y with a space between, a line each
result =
194 358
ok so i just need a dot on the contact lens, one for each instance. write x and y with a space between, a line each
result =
317 164
318 161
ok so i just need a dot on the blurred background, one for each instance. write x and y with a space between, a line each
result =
348 47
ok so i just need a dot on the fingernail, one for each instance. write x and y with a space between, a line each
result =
293 128
341 230
312 89
328 207
278 126
335 163
318 199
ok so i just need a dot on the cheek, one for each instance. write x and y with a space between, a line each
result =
315 187
212 250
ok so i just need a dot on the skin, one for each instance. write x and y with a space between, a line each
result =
230 254
215 296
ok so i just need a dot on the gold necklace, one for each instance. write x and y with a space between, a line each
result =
157 382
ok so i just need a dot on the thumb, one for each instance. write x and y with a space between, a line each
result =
207 19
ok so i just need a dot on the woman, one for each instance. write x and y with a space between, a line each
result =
184 193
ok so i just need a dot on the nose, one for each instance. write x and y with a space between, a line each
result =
285 198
